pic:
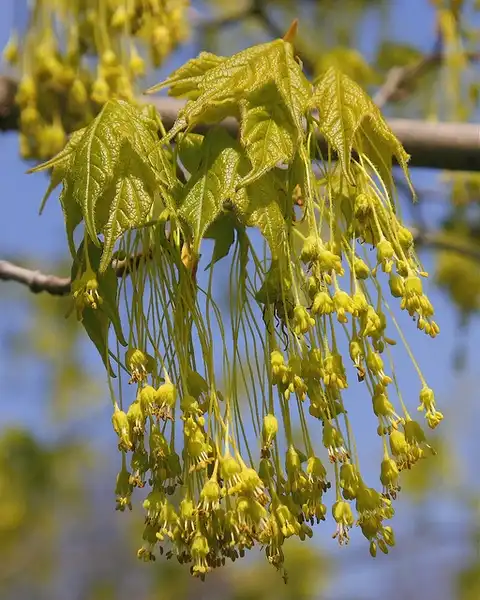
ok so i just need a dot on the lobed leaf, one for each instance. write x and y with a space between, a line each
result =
72 214
263 205
128 203
351 121
189 151
201 200
96 323
223 232
267 133
99 153
222 87
184 82
60 165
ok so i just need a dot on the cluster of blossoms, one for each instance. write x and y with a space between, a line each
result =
61 88
236 419
213 494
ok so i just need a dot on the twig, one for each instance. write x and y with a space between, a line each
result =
8 108
398 78
34 280
37 282
439 241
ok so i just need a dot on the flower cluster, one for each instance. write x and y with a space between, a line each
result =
213 494
237 421
61 90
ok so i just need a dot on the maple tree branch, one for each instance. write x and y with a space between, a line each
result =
37 282
398 78
448 146
8 108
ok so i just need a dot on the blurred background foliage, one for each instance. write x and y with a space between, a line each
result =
59 534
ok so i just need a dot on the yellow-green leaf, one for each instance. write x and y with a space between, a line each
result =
59 164
128 203
223 232
267 133
235 78
189 151
350 121
263 205
72 214
97 156
96 324
201 199
184 81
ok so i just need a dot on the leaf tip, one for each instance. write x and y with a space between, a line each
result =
154 88
292 32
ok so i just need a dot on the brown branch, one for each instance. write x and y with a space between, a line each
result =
8 108
60 286
37 282
449 146
439 241
398 79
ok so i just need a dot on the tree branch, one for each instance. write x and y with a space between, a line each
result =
54 285
399 78
8 108
37 282
449 146
439 241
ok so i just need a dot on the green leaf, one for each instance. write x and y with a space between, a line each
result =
189 151
351 121
128 203
263 205
108 286
63 157
202 198
267 133
348 60
184 82
223 232
96 324
224 86
72 214
97 156
59 164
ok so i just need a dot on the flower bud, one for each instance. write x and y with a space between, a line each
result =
269 430
146 398
302 321
405 237
122 429
397 286
360 268
322 304
310 250
166 395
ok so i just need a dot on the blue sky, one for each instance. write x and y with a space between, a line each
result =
42 240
